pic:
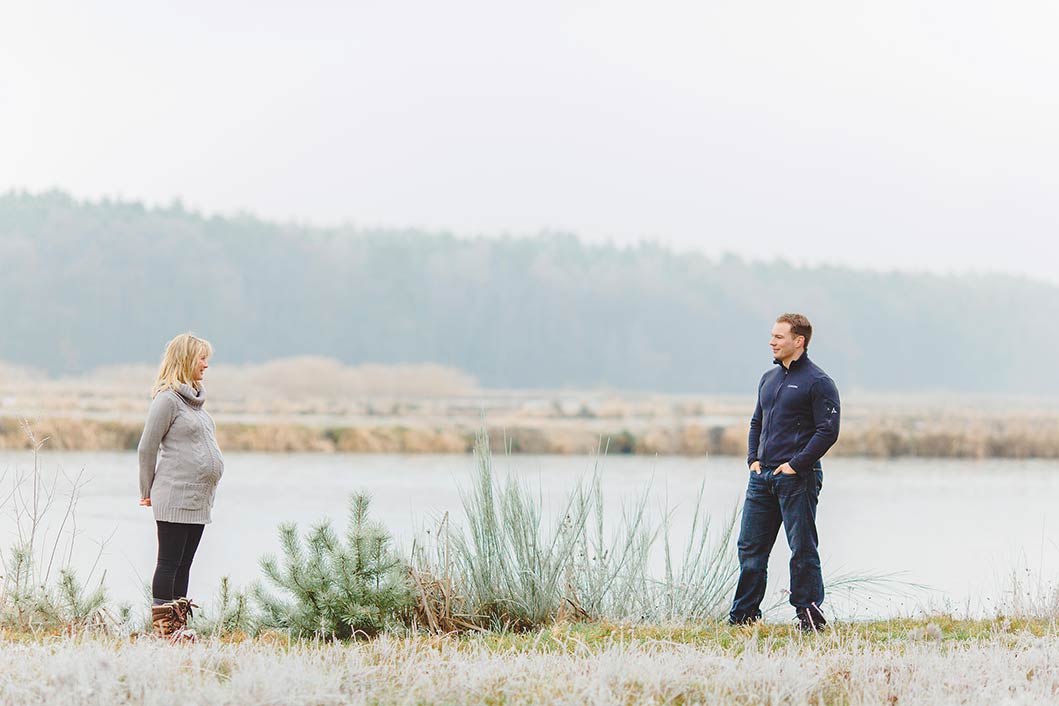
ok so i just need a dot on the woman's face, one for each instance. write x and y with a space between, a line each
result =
200 368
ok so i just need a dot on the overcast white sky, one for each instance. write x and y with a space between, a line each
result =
882 134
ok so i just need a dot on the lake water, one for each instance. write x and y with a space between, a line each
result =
959 527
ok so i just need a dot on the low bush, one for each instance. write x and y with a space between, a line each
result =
335 587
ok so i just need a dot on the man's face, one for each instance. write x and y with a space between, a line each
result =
785 345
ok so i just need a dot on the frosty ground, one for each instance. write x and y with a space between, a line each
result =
935 661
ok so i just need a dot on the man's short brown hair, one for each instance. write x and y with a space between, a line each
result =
800 326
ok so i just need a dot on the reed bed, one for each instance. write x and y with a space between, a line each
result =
563 665
880 438
320 405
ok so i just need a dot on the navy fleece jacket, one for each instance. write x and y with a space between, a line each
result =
797 416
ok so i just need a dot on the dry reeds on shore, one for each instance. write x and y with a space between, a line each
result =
317 404
886 439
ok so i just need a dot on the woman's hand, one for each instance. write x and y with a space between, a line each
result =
145 502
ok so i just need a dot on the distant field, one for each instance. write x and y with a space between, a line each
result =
317 404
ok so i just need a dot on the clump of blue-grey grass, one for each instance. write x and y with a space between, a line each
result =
507 568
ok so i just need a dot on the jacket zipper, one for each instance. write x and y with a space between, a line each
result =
772 410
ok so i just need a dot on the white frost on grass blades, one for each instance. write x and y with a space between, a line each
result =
836 668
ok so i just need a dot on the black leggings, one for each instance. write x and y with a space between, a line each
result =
177 543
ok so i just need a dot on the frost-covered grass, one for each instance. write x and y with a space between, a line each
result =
897 662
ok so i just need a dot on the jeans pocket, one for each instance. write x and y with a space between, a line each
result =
789 485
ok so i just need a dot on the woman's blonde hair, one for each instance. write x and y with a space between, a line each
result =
178 363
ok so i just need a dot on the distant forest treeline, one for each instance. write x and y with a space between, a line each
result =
90 284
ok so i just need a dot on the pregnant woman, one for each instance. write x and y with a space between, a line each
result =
180 465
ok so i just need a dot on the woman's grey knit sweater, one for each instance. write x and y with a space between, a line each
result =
182 479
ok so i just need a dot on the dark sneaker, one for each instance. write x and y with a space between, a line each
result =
738 619
810 619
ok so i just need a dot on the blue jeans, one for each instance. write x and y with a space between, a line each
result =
772 500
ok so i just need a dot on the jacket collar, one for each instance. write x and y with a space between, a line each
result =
795 364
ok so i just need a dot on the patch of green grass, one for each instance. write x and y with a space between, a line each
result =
572 636
566 637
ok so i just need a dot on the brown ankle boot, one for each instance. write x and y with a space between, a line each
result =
165 619
171 620
182 607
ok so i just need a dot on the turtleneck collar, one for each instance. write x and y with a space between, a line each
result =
190 395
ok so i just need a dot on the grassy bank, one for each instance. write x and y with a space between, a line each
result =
895 662
881 438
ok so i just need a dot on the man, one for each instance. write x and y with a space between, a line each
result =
794 424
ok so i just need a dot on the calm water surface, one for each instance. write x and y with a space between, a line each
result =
959 527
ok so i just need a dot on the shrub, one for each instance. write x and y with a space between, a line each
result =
232 614
332 587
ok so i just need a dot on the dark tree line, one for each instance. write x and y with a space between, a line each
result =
89 284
